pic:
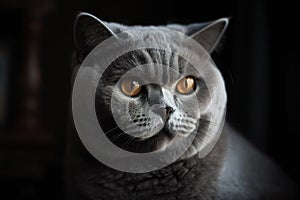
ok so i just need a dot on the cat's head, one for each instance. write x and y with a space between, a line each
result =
149 97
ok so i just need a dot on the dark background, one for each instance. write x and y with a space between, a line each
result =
259 61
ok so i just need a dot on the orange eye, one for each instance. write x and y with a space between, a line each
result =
185 85
130 87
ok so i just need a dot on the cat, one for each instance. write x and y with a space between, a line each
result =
230 169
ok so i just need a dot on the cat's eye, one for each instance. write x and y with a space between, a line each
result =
130 87
186 85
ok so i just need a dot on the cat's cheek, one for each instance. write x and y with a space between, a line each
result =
181 129
184 132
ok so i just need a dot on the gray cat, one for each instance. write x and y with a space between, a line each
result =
232 168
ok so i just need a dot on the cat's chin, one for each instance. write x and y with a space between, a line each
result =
157 142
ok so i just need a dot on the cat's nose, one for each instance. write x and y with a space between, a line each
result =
163 111
169 110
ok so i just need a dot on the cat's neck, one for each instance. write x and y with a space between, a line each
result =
203 173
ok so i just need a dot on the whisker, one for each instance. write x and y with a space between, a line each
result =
126 143
118 136
130 141
111 130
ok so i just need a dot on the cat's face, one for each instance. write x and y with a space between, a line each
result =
150 100
148 105
154 96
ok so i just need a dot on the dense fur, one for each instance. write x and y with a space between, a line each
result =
201 111
219 175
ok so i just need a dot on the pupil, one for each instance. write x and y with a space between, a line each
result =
186 83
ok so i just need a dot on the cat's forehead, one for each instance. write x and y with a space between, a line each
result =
169 55
152 65
155 34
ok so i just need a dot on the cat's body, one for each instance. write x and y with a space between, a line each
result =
233 169
187 179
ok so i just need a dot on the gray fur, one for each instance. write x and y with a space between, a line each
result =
191 177
186 115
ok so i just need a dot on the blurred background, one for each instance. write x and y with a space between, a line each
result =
259 61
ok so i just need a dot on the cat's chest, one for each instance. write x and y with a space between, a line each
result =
178 181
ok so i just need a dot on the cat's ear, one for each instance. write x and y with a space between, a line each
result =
208 34
89 31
